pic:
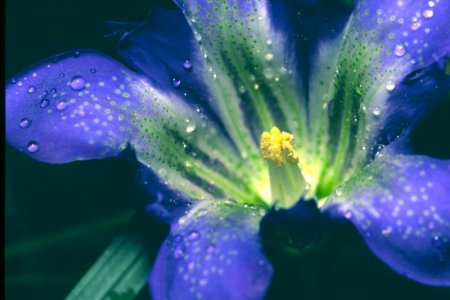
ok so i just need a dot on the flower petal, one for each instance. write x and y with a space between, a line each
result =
57 111
251 71
213 252
400 206
83 105
164 44
388 50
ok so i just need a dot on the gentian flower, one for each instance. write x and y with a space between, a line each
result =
230 121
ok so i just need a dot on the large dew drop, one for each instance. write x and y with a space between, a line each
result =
25 123
31 89
390 86
399 50
61 105
77 83
33 147
44 103
176 82
187 65
427 13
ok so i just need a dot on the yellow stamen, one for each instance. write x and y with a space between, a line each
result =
278 146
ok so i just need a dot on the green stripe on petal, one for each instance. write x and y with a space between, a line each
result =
248 71
187 150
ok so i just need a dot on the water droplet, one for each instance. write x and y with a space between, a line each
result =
13 80
76 54
34 75
53 91
20 83
268 73
400 50
77 83
61 105
210 249
178 252
81 113
437 241
268 56
25 123
187 65
44 103
176 82
415 26
348 215
338 192
33 147
31 89
93 70
193 236
427 13
190 127
431 3
390 86
376 111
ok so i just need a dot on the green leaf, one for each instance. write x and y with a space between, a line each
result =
122 269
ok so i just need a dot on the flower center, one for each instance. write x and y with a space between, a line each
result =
287 184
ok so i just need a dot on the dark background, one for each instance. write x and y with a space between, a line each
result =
60 218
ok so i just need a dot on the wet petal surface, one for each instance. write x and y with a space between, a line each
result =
213 252
388 49
84 105
400 206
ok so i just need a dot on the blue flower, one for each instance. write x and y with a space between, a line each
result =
211 85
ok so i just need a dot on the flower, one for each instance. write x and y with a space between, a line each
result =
194 114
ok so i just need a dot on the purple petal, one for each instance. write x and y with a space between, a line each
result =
214 252
376 81
249 68
84 105
164 48
61 109
400 206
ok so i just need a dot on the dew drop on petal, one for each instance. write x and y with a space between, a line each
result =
13 80
33 147
399 50
77 83
190 126
376 111
193 236
390 86
427 13
176 82
25 123
31 89
178 252
92 70
44 103
268 56
61 105
210 249
415 26
187 65
348 215
53 91
34 75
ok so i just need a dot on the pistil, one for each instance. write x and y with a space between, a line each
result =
287 184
